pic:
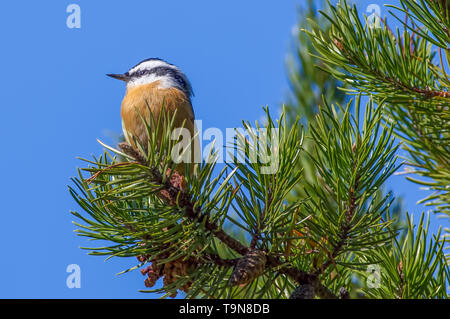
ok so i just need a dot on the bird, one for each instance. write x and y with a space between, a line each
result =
151 85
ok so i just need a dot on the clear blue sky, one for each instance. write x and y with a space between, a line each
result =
56 101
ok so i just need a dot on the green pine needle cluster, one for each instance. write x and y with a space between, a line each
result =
407 69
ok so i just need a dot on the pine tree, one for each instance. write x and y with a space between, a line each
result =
302 237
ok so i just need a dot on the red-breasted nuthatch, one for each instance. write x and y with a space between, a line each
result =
153 83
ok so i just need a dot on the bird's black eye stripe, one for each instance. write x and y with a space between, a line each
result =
161 71
139 73
158 71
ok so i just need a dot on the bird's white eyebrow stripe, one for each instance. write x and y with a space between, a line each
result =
150 64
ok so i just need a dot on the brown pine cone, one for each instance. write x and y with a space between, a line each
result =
248 267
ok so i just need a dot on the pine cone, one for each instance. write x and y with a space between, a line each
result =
343 293
176 180
153 274
248 267
170 272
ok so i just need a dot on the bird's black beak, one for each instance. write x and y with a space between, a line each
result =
122 77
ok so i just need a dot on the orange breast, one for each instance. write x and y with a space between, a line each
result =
139 99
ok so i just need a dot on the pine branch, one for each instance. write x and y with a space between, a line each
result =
174 194
346 223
